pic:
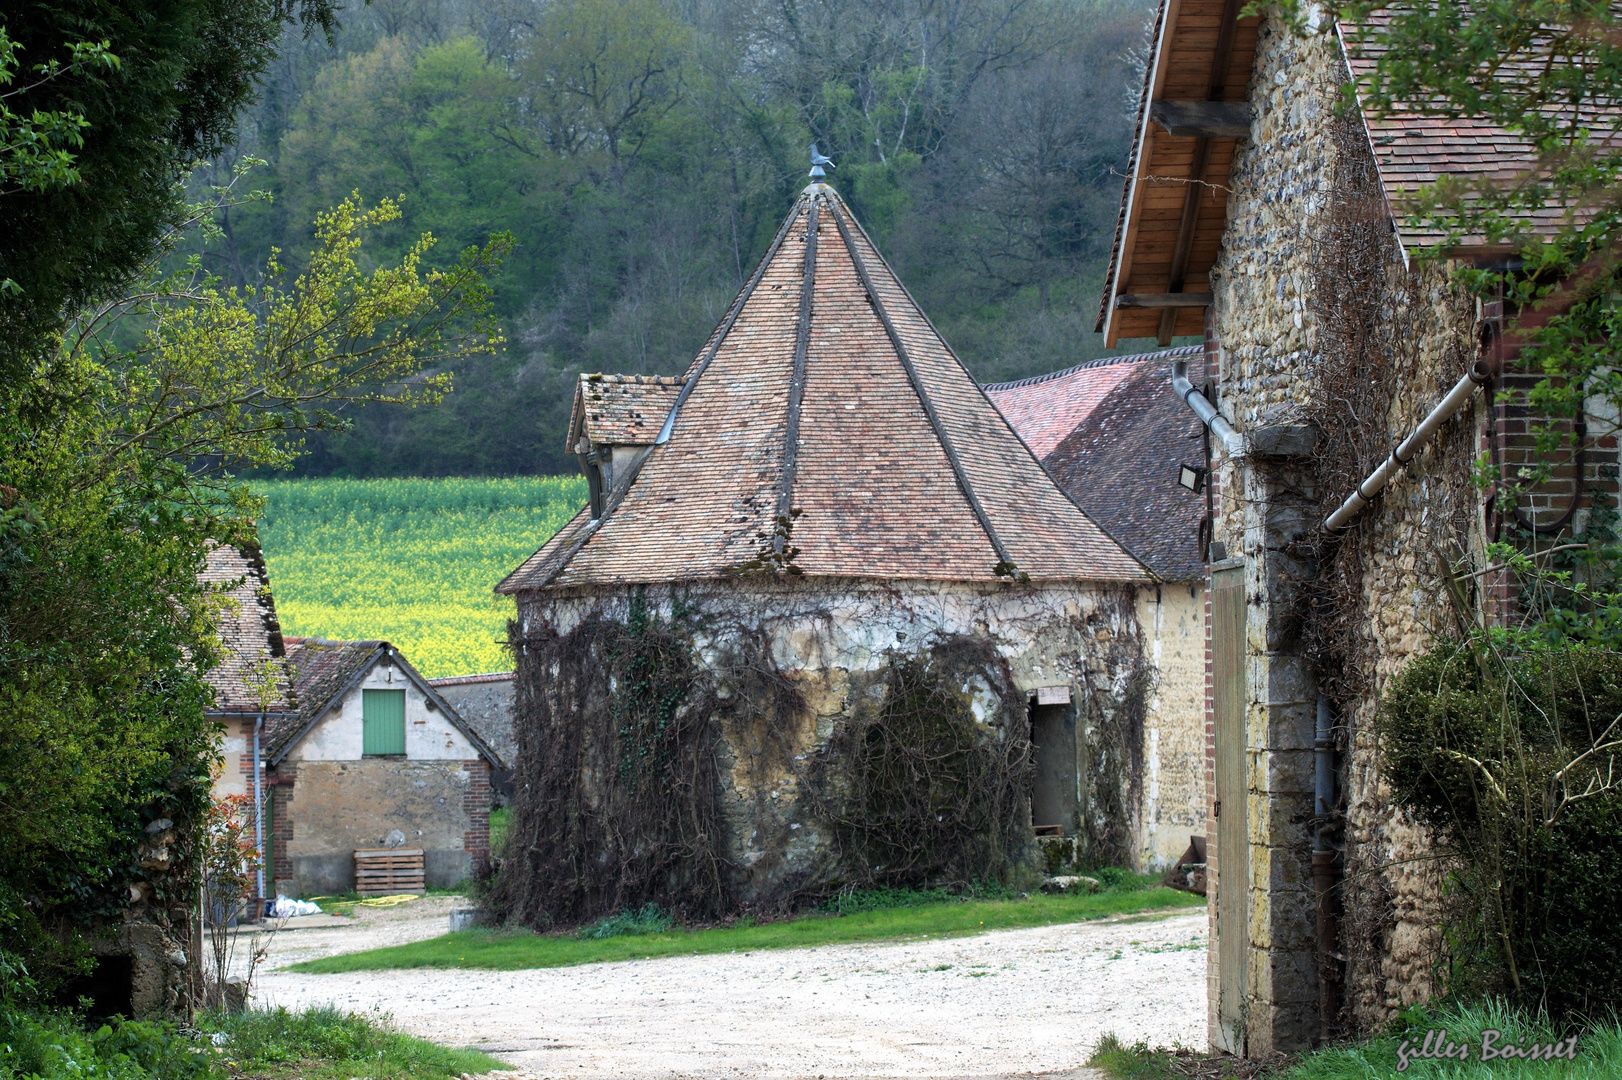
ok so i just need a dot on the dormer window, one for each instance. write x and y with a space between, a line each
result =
616 420
594 481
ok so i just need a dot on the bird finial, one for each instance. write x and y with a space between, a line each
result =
817 162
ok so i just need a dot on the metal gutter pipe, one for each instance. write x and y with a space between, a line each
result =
1463 390
1207 412
259 813
1325 860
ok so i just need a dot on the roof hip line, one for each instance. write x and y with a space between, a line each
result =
1005 564
622 487
720 335
796 386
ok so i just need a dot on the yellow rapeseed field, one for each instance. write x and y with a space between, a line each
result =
409 561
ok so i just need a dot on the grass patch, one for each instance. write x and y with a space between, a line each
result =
501 820
513 950
1598 1057
328 1044
651 919
1599 1049
262 1044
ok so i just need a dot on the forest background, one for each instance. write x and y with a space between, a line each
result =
642 153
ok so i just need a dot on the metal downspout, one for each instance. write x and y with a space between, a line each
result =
259 813
1326 861
1231 439
1463 390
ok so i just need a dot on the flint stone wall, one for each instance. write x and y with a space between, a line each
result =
1266 320
827 636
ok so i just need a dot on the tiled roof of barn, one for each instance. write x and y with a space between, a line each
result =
1123 436
826 429
624 410
1046 408
249 634
321 670
1412 150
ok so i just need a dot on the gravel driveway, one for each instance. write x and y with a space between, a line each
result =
1004 1004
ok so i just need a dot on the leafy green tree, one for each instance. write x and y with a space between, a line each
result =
643 154
115 472
185 68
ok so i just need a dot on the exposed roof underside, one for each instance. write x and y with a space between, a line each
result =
1113 435
826 429
252 676
1174 203
620 410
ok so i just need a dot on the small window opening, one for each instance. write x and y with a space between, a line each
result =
1055 799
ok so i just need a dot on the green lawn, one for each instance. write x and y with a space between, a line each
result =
507 950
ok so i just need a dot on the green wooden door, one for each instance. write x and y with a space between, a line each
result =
382 722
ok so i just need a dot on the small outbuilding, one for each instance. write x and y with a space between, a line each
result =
825 621
373 758
1133 457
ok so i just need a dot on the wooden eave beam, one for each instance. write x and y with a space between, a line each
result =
1218 85
1163 300
1202 119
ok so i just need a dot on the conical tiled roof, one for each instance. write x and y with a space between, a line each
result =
826 429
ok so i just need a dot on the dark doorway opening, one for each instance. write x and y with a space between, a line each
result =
1054 798
109 986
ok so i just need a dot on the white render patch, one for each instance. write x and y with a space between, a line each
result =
430 735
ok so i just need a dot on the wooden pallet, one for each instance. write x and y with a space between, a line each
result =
387 871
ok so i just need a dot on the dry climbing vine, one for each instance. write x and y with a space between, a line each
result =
617 785
1369 331
920 792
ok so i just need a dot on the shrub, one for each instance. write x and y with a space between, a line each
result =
1509 749
648 919
55 1046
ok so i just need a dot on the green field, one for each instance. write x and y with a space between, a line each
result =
409 561
509 950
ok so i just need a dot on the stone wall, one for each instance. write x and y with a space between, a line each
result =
830 637
485 704
327 809
1279 323
1173 806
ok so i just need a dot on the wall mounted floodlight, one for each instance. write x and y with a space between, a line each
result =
1192 477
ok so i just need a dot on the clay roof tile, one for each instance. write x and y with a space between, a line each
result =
826 429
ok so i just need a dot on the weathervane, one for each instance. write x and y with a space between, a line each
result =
817 162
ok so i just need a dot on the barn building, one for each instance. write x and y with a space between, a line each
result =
817 555
373 758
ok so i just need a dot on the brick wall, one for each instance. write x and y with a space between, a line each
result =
476 804
281 796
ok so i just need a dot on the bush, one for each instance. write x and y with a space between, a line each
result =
326 1042
648 919
1508 748
55 1046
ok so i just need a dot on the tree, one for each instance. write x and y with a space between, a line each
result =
117 449
184 70
598 76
